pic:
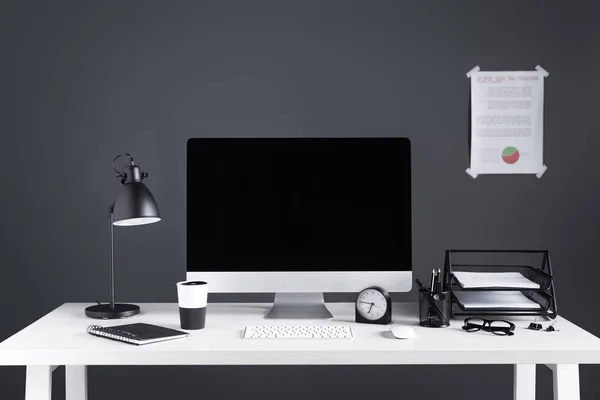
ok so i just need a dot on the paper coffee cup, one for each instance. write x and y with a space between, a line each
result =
192 297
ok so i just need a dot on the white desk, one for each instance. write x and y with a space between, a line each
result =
60 338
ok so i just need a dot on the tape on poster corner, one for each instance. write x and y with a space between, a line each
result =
541 171
543 71
471 173
475 69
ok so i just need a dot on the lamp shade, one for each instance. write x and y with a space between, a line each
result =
135 205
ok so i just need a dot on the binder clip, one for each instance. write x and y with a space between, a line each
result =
550 328
535 326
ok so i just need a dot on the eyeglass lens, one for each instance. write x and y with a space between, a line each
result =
500 327
474 324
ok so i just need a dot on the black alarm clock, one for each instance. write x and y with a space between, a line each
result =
374 306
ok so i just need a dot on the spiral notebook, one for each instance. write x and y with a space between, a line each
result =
137 334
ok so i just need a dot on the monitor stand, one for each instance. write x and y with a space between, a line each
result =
299 305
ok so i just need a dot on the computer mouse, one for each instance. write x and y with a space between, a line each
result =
403 332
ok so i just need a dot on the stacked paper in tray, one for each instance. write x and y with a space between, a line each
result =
509 280
494 299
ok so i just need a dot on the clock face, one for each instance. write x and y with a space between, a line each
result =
371 304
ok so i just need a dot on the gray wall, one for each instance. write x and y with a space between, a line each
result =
85 80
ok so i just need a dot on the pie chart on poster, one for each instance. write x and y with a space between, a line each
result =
510 155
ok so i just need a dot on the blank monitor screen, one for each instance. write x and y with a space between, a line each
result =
298 204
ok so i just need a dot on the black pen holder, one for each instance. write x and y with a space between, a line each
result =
435 309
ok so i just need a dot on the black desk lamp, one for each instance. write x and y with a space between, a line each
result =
134 206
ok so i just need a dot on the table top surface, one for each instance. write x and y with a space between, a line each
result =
60 338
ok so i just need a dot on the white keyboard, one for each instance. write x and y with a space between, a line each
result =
298 332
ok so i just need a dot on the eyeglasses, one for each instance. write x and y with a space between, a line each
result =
497 327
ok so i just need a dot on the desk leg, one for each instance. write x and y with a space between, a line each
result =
524 385
566 381
76 382
38 382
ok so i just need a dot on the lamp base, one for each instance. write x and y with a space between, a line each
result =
104 311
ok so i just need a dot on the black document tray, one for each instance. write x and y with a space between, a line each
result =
532 264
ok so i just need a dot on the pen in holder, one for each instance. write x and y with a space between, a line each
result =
435 309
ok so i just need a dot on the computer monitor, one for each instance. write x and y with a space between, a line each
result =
299 217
